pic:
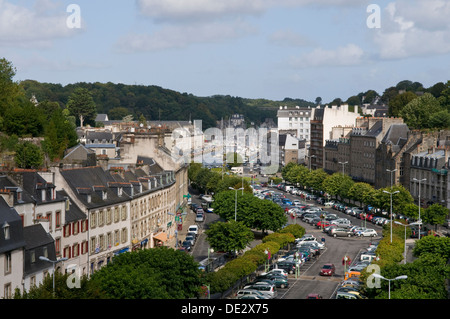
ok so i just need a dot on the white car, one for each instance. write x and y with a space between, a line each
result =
276 271
367 233
330 203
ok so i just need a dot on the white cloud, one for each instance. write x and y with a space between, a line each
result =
414 28
24 27
348 55
182 10
176 36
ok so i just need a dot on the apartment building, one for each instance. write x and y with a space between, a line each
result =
295 121
325 118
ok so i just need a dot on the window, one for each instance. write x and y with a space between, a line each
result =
93 219
58 246
58 220
8 263
116 214
6 232
67 230
32 256
45 251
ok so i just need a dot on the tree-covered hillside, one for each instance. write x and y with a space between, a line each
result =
156 103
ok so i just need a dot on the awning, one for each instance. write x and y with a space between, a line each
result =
161 236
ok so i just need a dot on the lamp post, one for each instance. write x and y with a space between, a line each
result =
405 225
419 180
343 164
235 201
54 262
389 280
391 193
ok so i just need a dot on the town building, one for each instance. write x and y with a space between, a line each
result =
322 123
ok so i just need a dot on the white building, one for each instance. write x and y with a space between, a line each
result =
295 121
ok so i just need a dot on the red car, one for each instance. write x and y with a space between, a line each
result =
323 224
327 270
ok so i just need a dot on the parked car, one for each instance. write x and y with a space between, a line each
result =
276 271
342 223
323 224
250 292
314 296
191 239
268 290
193 228
288 266
186 245
279 281
341 232
367 233
328 270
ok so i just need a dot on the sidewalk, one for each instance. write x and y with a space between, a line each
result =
188 220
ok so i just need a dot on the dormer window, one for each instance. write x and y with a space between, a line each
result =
6 231
104 197
43 194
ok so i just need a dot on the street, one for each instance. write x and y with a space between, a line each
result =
308 281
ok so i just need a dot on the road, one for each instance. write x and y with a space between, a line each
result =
309 280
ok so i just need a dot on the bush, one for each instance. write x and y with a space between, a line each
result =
296 230
281 239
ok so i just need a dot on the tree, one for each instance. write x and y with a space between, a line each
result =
229 236
28 155
362 192
157 273
435 215
82 105
337 184
318 100
416 113
399 101
9 89
315 178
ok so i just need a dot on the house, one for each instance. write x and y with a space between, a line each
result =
39 243
12 246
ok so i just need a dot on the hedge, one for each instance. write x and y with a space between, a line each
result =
246 264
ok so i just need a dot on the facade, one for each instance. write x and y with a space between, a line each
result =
325 118
12 247
295 121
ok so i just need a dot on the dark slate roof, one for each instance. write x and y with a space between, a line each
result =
36 239
74 213
375 130
36 236
9 216
92 181
7 184
397 134
34 183
154 167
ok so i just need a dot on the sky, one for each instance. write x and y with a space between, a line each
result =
269 49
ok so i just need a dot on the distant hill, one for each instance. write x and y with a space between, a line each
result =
156 103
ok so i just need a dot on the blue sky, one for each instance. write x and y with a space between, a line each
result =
249 48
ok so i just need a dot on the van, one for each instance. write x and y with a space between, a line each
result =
266 289
193 229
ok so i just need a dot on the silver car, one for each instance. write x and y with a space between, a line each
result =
341 232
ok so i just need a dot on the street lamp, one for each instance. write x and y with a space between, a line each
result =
391 207
389 280
406 225
343 163
235 201
54 262
419 180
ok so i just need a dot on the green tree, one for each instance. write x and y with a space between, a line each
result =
399 101
229 236
416 113
9 89
315 178
361 192
157 273
435 215
29 156
337 184
82 105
